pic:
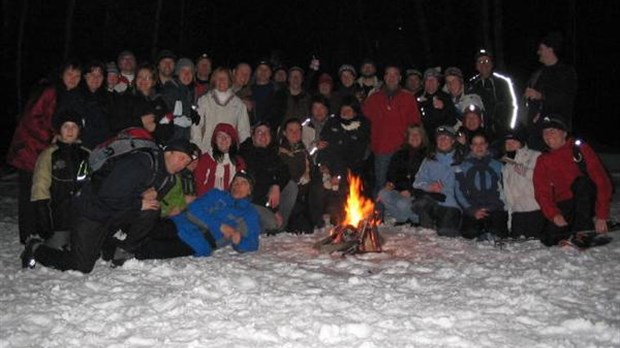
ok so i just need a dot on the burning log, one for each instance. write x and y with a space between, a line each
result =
358 232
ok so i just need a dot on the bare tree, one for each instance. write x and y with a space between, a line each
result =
18 56
424 32
69 28
498 28
154 46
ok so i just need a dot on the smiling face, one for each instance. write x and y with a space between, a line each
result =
479 146
71 77
145 81
69 132
94 79
176 161
223 141
221 80
261 136
444 142
454 85
240 188
554 138
392 78
292 132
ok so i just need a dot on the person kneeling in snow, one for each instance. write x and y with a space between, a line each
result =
570 184
214 220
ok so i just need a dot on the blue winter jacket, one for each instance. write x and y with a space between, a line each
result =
440 168
215 208
479 185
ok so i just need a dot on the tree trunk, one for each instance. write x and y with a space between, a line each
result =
18 55
154 46
181 46
69 29
424 33
571 31
498 30
485 20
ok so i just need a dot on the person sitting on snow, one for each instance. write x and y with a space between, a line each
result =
570 183
526 219
480 193
434 185
214 220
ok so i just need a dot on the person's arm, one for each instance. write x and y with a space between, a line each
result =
243 123
250 232
40 193
543 189
121 190
599 176
461 195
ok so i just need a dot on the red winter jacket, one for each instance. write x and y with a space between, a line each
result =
555 171
389 119
34 132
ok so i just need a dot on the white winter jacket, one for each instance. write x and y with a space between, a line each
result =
518 184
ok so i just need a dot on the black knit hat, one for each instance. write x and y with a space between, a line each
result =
554 40
445 130
67 116
517 134
247 176
185 146
163 54
554 121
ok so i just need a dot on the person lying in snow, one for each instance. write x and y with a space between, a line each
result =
213 221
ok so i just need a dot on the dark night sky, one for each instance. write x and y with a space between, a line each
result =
336 31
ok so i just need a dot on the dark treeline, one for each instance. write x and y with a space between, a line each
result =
410 33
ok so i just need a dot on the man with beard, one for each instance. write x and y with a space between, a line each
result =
390 111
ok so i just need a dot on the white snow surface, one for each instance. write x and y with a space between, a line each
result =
422 291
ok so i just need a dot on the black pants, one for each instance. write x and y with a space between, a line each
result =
88 236
323 201
577 211
163 243
496 223
530 224
432 215
26 214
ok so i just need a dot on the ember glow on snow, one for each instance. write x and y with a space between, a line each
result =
421 291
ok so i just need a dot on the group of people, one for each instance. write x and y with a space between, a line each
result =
240 152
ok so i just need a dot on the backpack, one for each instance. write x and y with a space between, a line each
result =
126 141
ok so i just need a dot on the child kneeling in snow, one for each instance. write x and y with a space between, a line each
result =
214 220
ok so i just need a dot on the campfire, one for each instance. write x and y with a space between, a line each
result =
357 232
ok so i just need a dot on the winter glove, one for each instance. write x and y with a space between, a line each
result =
166 119
194 116
187 182
182 121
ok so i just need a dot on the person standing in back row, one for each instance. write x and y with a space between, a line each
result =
390 111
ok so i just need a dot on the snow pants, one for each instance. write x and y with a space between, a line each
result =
26 214
433 215
163 242
496 223
529 224
577 211
88 237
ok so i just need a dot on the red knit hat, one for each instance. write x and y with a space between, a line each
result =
228 129
325 78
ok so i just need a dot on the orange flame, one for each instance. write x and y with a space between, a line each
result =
357 207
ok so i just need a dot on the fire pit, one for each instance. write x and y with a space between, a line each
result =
358 231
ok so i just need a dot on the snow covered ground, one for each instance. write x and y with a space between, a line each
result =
423 291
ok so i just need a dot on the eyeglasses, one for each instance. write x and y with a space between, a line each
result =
484 61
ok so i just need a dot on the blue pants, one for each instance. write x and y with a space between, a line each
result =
398 206
382 162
